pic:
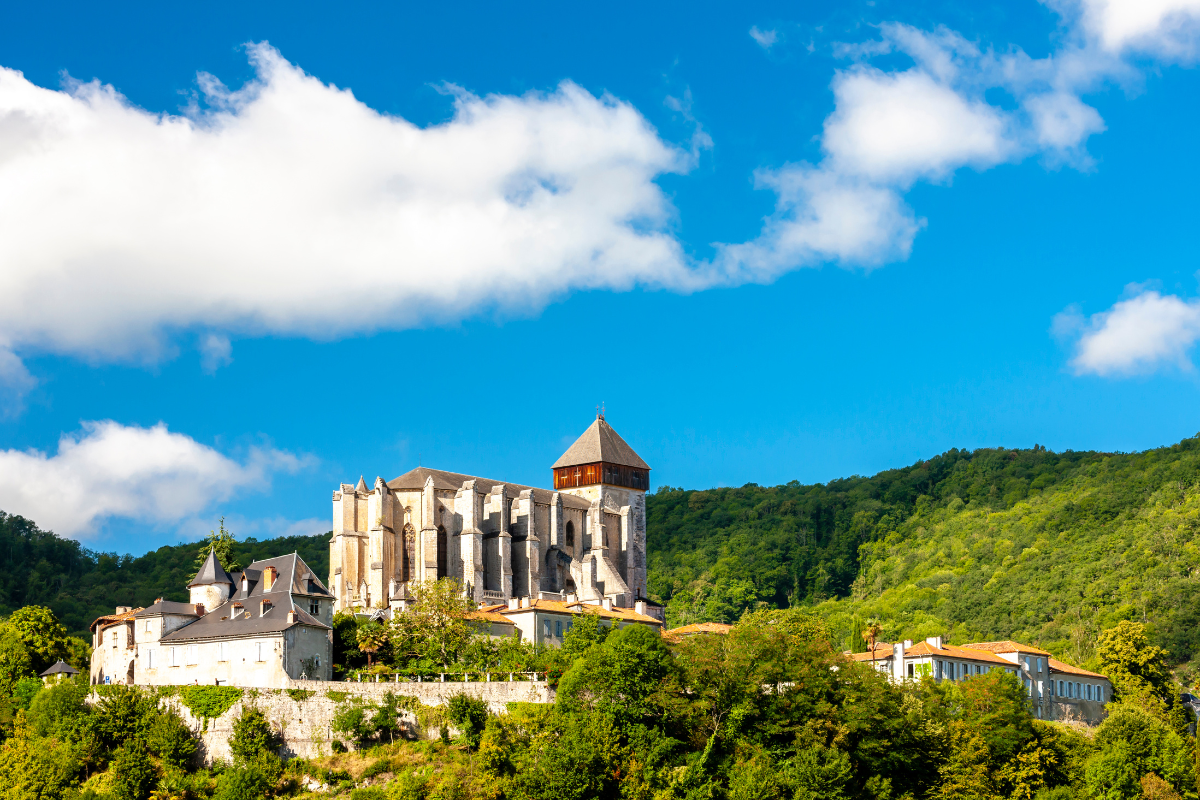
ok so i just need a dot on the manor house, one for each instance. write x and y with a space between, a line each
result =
262 626
584 541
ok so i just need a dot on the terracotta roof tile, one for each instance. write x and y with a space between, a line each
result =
578 607
699 627
1007 646
1058 666
953 651
109 619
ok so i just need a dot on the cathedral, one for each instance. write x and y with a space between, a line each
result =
582 541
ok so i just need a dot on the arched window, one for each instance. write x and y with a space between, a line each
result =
441 552
410 552
570 534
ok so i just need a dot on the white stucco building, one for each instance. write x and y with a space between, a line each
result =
260 627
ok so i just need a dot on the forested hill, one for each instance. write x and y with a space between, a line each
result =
39 568
1026 544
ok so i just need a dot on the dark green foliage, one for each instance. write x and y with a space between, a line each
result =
619 676
79 585
124 713
134 772
171 740
469 715
585 631
243 782
369 793
252 736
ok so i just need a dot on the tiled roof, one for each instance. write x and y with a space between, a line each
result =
1007 646
954 651
489 616
699 627
414 480
882 650
1058 666
600 443
577 607
109 619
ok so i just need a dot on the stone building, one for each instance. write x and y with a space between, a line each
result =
585 539
261 627
1057 691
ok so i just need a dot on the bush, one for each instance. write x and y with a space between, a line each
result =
171 740
133 771
124 713
246 782
369 793
252 736
469 715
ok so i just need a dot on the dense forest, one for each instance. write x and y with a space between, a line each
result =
39 568
1045 547
1040 546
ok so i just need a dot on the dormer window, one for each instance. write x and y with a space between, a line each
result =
264 607
237 611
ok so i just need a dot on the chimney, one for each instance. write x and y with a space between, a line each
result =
291 617
200 609
640 607
124 609
513 603
269 575
934 641
525 602
907 643
607 603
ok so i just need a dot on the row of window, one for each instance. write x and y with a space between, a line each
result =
956 670
189 655
1080 691
559 629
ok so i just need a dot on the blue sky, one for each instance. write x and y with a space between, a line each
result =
779 242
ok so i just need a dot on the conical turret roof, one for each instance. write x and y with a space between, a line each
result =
211 572
600 443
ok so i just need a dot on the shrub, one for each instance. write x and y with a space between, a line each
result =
469 715
369 793
209 702
124 713
243 783
252 736
171 740
133 771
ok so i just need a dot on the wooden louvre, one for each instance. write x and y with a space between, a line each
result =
601 472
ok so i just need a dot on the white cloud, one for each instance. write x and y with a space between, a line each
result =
15 383
290 207
900 126
113 470
765 39
1137 335
1166 28
215 352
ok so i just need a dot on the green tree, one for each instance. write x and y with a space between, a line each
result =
469 715
436 629
133 771
34 769
622 676
171 739
1133 742
371 638
585 630
222 542
42 634
124 713
1137 669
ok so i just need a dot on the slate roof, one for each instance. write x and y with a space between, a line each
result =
414 480
211 572
60 667
600 443
294 578
167 607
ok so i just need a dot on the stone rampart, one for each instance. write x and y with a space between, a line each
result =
305 717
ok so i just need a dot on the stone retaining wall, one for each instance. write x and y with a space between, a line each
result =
306 723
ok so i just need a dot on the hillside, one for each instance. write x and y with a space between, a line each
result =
1043 547
39 568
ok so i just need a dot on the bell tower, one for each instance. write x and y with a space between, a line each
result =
601 468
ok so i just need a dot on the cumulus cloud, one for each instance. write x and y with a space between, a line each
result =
112 470
216 351
1166 28
288 206
1136 335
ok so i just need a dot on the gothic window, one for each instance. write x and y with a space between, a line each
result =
570 534
441 552
410 550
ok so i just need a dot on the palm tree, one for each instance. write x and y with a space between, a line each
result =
370 638
871 634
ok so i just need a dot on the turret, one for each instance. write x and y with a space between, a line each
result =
212 585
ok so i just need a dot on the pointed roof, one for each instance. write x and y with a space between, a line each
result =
211 572
362 485
600 443
60 667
